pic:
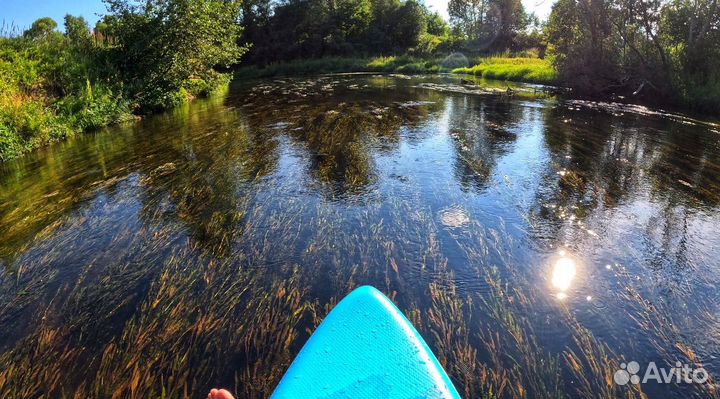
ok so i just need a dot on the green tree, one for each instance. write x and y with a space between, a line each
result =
350 18
488 24
78 31
257 34
582 37
468 16
504 20
691 31
651 49
41 29
164 47
436 25
409 24
317 28
380 33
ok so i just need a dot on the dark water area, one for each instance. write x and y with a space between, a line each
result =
537 244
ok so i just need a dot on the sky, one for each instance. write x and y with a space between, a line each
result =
540 7
23 12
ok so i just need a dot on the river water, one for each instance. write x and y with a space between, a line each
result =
537 244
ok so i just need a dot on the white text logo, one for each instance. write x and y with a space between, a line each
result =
681 373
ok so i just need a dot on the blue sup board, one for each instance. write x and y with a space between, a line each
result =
365 348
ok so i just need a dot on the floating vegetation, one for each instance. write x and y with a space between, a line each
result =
202 247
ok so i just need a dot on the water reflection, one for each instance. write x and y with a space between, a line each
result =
563 274
481 132
201 247
339 137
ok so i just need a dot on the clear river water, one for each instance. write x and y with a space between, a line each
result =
538 244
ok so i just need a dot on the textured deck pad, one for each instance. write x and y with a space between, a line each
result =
365 348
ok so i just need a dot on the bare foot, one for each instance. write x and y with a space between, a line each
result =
220 394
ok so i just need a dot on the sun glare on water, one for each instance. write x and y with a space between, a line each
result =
563 274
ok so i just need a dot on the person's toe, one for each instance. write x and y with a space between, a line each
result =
220 394
224 394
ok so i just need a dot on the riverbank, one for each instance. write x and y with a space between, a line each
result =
517 69
35 112
55 84
40 105
35 118
399 64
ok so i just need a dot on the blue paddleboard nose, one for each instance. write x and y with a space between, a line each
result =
365 348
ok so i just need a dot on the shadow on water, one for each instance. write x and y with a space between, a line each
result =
536 244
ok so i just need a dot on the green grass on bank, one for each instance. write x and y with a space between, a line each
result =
46 96
518 69
531 70
401 64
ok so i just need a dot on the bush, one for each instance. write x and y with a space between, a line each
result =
10 144
427 45
455 60
434 45
305 67
402 64
703 96
93 108
45 91
206 87
27 123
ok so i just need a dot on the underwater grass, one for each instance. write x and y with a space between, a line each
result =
184 264
531 70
